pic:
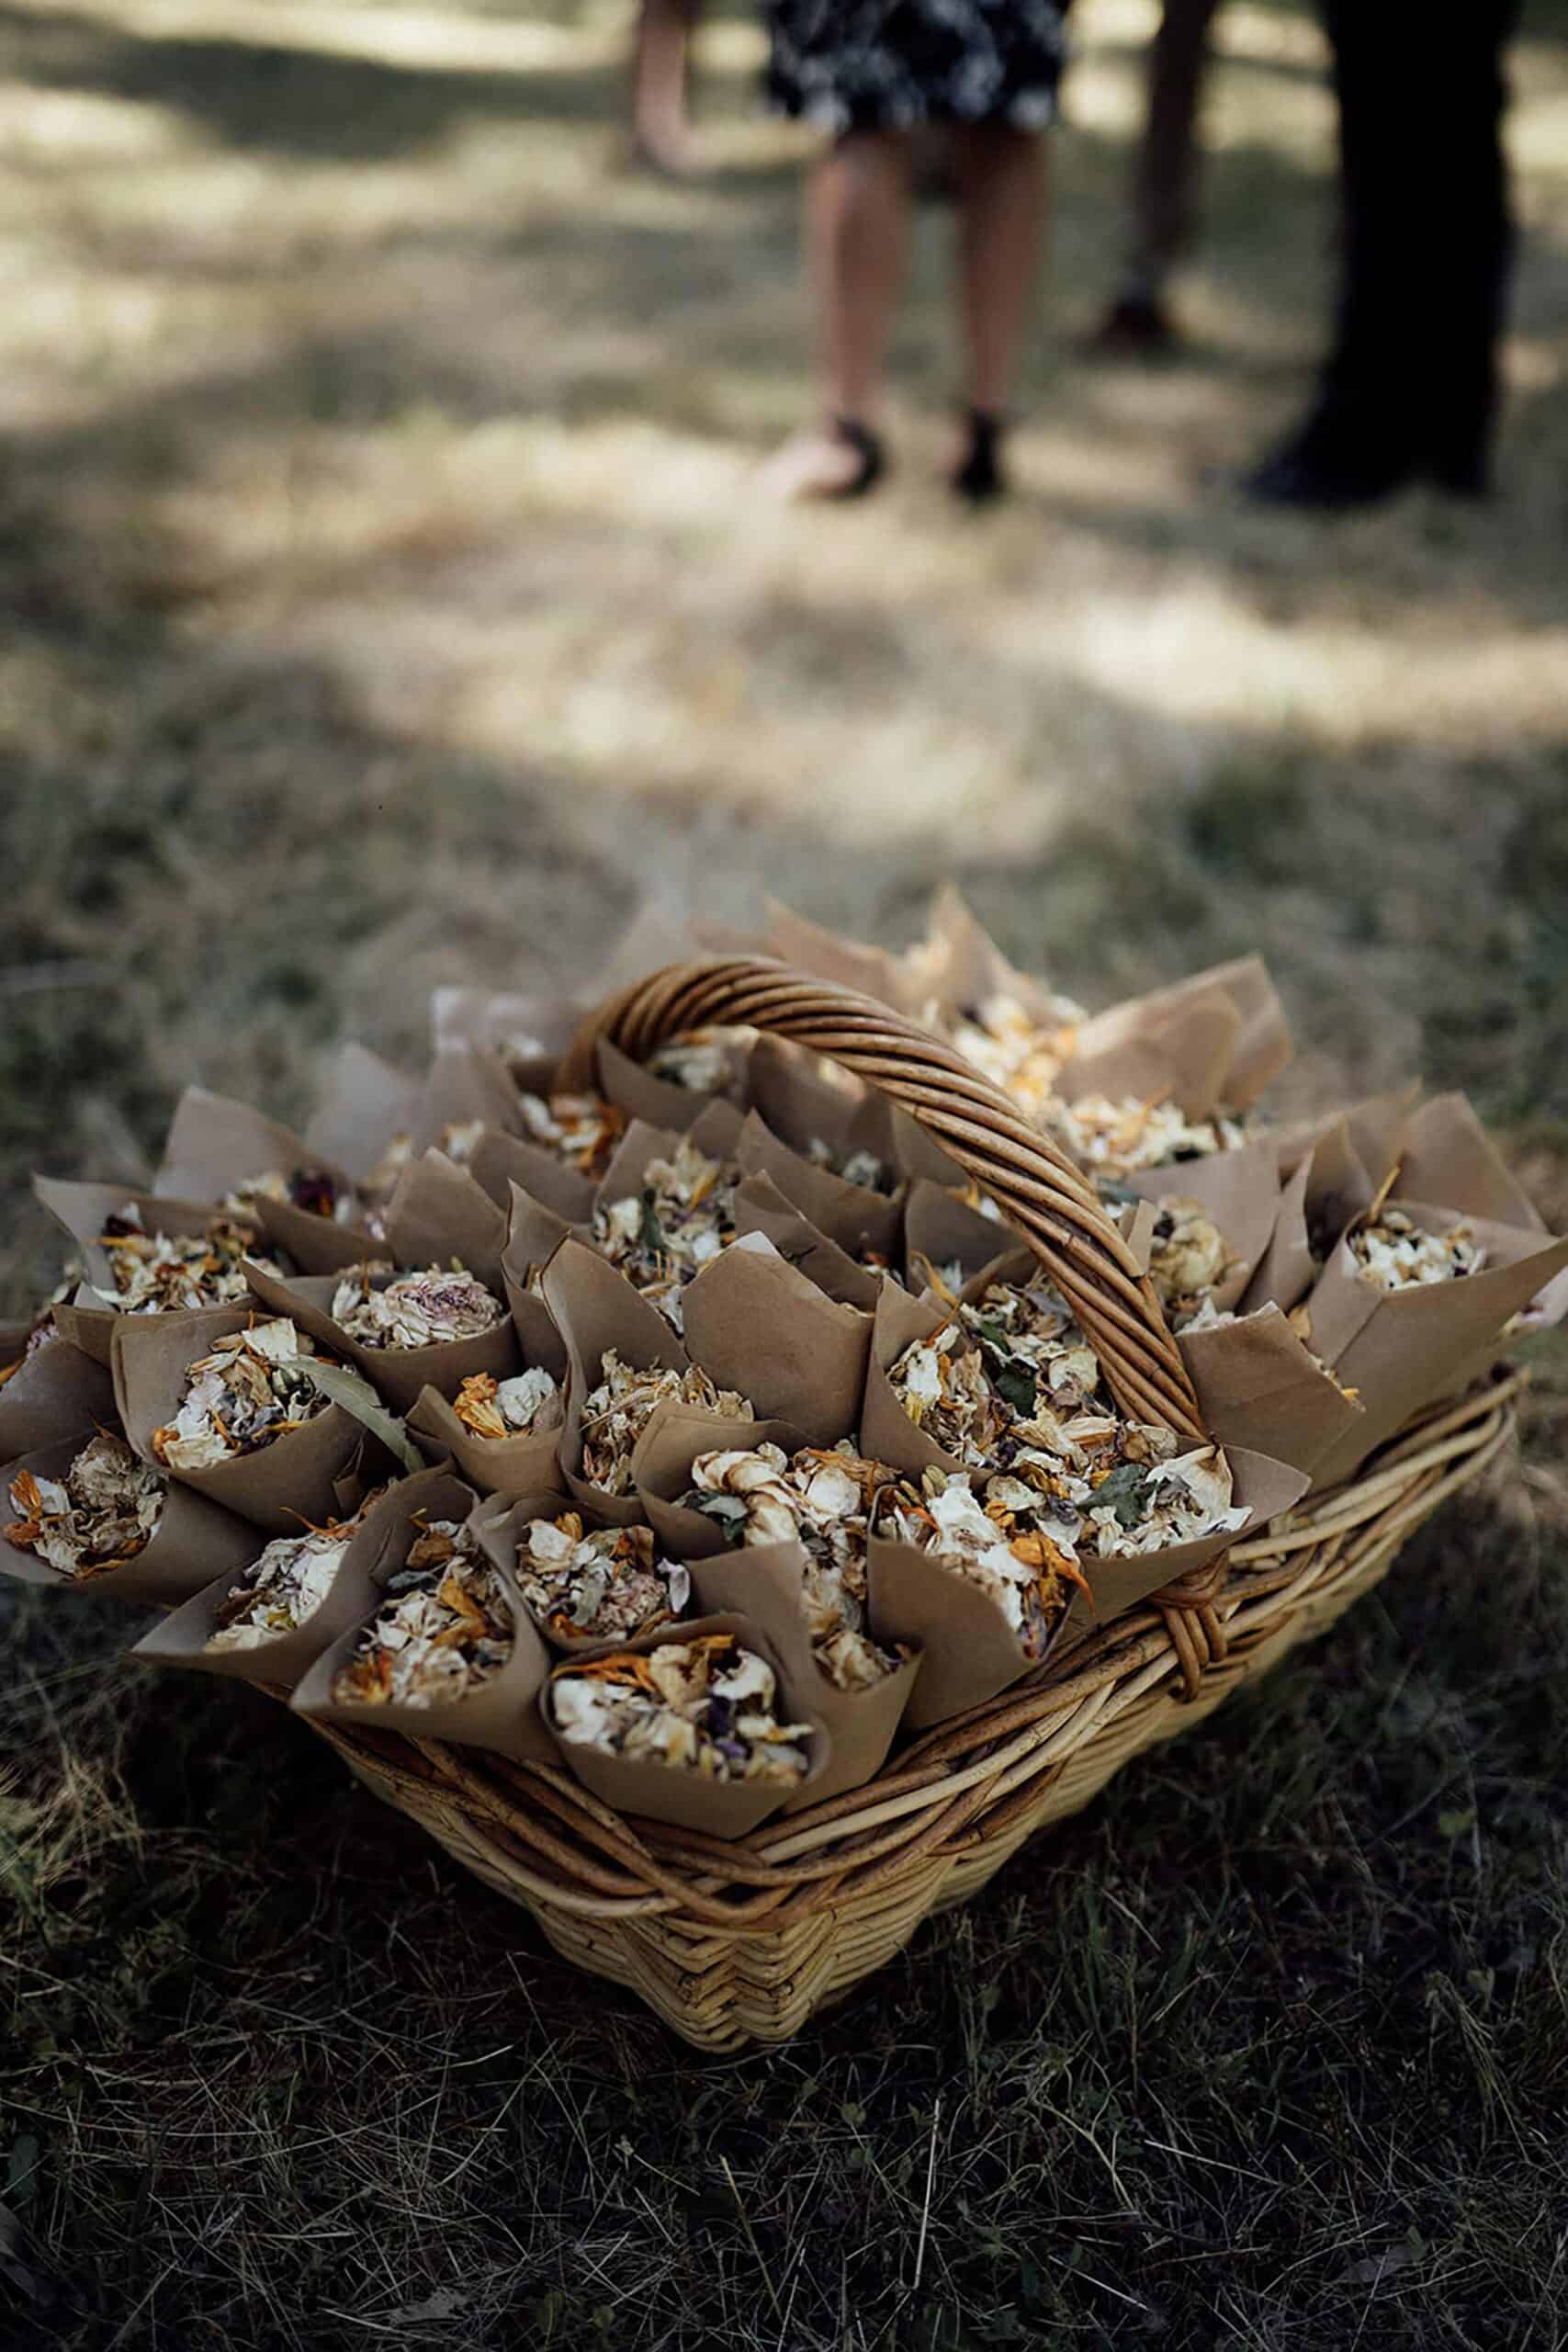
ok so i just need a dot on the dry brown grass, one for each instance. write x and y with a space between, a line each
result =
385 603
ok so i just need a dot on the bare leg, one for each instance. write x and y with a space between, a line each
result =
1165 180
660 128
1002 187
857 236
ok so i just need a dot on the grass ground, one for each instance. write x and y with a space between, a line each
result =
384 605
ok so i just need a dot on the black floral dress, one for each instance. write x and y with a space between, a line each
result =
896 64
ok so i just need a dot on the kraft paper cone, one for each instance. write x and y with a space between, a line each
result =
437 1213
84 1319
193 1538
940 1229
399 1376
1330 1186
761 1208
641 1145
459 1088
759 1325
891 979
499 1162
1257 1386
217 1144
965 967
656 1101
662 1464
1183 1015
498 1526
181 1638
1400 1349
520 1030
534 1234
686 1800
594 1307
1449 1159
522 1463
57 1389
972 1653
886 1432
861 1222
363 1106
802 1098
1375 1128
502 1713
276 1487
1240 1190
919 1154
766 1584
1182 1050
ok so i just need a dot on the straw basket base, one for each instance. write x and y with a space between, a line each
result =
735 1944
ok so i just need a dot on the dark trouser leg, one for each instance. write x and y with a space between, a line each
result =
1410 385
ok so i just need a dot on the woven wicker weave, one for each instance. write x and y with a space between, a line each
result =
738 1942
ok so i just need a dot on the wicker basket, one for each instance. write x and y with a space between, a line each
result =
739 1942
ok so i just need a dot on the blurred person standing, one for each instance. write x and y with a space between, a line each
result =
877 75
1165 183
1409 390
662 63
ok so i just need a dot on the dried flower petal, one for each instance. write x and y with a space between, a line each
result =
101 1514
605 1585
616 1413
1392 1251
248 1391
706 1706
444 1627
414 1310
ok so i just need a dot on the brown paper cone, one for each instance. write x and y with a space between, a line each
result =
860 1221
666 1792
399 1376
501 1161
499 1526
1238 1189
939 1228
963 966
765 1583
1449 1159
655 1101
523 1464
968 1651
84 1319
217 1144
181 1638
1183 1050
1265 1486
193 1538
1184 1017
363 1105
594 1307
662 1464
1330 1186
517 1029
501 1715
761 1208
437 1213
760 1327
1257 1386
57 1389
891 979
291 1479
886 1432
1400 1349
458 1089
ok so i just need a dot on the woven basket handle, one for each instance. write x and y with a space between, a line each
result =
1037 1188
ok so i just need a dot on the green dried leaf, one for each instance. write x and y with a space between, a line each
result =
651 1233
1127 1492
344 1386
1017 1387
727 1511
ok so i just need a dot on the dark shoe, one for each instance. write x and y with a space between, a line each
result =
844 458
1332 464
1137 326
979 476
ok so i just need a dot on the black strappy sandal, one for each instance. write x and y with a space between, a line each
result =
979 478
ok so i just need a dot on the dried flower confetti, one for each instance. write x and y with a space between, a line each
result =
706 1706
676 1225
863 1167
246 1392
608 1584
445 1627
1113 1139
284 1585
945 1393
1392 1251
424 1309
616 1412
530 1401
1014 1050
101 1514
820 1498
581 1129
703 1064
1008 1546
159 1273
311 1189
1188 1260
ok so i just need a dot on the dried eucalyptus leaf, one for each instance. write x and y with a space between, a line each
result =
343 1386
